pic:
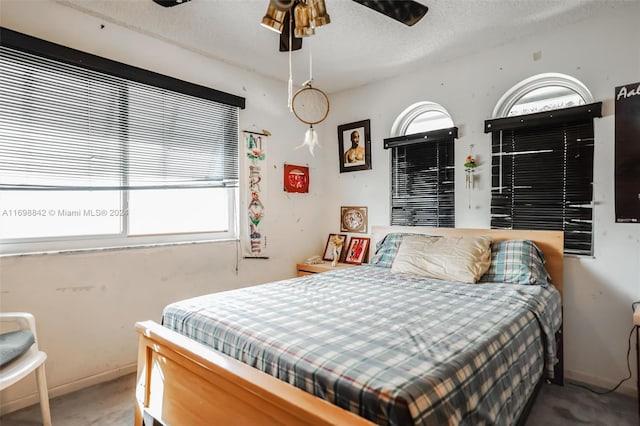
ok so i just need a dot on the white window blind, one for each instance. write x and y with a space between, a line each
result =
64 127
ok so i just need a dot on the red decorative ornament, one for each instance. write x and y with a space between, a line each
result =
296 178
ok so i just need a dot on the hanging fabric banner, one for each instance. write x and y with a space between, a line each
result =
255 244
627 153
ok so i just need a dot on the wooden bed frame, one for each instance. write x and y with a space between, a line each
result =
182 382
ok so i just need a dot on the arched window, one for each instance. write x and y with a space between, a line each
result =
422 166
542 158
542 92
421 117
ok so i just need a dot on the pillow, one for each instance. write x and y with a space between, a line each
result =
516 262
387 249
461 258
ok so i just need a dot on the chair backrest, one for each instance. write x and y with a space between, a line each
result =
14 344
20 356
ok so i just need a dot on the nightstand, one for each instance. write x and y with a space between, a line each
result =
304 269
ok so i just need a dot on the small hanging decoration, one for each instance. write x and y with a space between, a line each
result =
311 106
469 169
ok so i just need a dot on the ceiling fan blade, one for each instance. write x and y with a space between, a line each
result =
170 3
407 12
296 42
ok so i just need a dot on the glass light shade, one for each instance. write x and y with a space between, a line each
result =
302 14
274 19
319 15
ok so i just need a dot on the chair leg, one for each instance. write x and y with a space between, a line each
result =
44 396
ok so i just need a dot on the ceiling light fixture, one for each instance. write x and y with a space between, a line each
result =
295 19
308 15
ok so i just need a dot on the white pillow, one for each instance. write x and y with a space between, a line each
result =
462 258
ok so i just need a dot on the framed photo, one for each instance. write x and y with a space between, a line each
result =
354 146
328 249
353 219
357 250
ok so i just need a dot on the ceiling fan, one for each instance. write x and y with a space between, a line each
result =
309 14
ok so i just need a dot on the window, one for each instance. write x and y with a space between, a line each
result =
89 159
422 167
542 162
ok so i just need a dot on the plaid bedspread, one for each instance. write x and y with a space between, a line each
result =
393 348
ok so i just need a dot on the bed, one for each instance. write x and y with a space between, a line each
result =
362 345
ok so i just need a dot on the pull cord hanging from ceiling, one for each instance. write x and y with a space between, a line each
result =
290 86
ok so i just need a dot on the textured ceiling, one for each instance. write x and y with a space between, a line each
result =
358 46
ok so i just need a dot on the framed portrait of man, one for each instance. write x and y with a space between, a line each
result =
354 146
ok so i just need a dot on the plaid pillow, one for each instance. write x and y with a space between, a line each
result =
516 262
387 249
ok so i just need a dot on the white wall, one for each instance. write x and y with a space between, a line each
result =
86 304
602 53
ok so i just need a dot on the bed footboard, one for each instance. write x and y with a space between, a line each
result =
180 381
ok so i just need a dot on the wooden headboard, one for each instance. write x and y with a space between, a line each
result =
550 242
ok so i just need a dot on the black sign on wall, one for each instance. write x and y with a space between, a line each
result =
627 173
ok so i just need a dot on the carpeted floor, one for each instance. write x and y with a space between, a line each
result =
111 404
573 405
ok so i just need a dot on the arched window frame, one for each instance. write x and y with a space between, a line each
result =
513 95
406 117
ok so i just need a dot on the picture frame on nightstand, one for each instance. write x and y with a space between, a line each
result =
357 250
328 249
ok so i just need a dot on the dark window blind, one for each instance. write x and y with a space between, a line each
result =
69 127
542 178
422 174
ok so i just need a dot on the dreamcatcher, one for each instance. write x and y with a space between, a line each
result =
310 105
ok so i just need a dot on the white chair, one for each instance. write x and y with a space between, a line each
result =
25 357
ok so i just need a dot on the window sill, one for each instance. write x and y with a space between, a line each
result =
120 247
